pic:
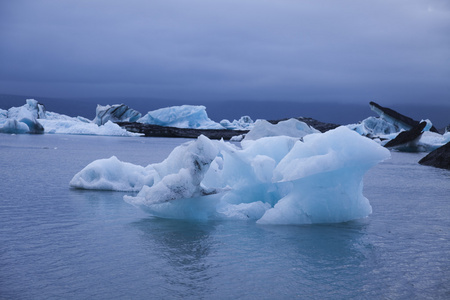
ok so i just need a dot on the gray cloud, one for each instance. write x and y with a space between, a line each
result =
273 50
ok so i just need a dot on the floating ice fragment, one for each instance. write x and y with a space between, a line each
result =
273 180
112 174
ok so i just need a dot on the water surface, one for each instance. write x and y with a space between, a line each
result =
57 242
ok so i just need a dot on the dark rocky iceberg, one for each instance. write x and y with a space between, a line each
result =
150 130
407 140
439 158
404 121
115 113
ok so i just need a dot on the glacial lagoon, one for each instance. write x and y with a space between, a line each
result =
57 242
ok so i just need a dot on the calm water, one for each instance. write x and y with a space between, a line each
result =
60 243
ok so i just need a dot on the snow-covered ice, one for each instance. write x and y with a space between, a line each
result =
272 180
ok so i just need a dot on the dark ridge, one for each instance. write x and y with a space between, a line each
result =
398 116
439 158
163 131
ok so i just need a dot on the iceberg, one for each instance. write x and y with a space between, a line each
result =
399 132
184 116
80 127
23 119
33 118
244 123
272 180
400 121
112 174
418 139
291 127
375 127
397 120
13 126
430 141
115 113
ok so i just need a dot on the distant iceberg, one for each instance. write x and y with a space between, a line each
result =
244 123
375 127
383 132
390 124
184 116
272 180
22 119
115 113
292 127
33 118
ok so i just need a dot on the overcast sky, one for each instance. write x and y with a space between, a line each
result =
389 51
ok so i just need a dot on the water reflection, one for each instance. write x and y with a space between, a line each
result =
195 258
183 247
344 238
323 257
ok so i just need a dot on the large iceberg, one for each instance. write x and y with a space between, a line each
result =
184 116
272 180
33 118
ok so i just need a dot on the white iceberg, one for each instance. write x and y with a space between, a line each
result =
291 127
112 174
33 118
79 127
184 116
273 180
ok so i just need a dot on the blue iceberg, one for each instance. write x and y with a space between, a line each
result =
272 180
